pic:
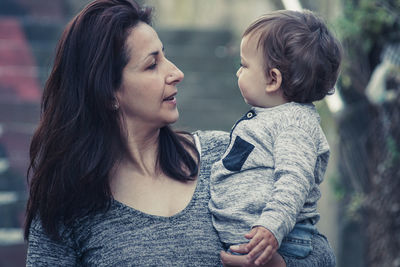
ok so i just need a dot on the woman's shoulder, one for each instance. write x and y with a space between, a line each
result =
39 235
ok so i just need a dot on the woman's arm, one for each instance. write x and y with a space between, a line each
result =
43 251
322 255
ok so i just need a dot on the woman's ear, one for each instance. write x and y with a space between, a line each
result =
275 81
115 102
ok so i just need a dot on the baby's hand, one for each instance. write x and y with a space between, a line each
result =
262 245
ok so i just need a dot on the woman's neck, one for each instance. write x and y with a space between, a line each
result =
141 152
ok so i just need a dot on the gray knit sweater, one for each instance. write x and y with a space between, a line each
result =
127 237
270 173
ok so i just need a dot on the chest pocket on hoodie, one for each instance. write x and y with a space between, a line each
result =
235 159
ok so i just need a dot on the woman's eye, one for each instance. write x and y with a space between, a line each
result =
152 66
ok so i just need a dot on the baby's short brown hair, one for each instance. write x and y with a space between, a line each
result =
302 48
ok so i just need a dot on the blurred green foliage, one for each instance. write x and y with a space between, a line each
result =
364 28
393 155
369 136
369 22
339 190
355 206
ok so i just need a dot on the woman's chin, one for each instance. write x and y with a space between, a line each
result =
172 118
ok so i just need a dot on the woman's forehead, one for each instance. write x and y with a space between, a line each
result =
142 41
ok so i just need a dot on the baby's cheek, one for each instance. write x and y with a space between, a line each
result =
242 91
241 86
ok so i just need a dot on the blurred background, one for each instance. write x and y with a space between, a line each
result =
360 204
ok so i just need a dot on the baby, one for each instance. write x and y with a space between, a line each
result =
266 186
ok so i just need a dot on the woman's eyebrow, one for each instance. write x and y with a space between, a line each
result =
155 53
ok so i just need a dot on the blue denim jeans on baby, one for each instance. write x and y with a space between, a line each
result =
297 243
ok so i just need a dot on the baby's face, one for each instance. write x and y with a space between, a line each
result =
251 76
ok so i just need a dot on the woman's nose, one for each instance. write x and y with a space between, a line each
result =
175 76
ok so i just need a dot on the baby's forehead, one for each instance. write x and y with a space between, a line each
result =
252 44
253 38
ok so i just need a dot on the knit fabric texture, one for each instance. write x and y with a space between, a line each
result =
270 174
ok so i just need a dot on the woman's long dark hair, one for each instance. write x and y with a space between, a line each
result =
79 138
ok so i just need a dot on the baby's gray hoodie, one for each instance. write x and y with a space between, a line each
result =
270 173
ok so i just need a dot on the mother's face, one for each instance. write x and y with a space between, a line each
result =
148 88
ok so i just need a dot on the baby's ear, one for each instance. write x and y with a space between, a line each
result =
275 81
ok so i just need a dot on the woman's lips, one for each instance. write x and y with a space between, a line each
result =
171 99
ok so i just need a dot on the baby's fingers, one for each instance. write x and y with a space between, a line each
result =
254 242
257 250
265 256
250 234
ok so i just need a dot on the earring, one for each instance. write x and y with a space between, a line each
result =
116 105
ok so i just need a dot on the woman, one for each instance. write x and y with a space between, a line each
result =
111 183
